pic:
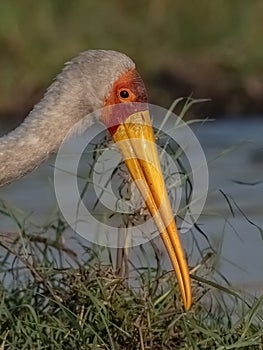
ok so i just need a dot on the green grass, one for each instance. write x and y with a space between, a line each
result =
91 307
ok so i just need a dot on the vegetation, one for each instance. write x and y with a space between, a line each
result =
91 307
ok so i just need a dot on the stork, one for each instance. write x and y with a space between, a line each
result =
92 80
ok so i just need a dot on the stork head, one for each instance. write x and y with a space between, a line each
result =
116 85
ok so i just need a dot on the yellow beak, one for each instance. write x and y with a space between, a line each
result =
136 141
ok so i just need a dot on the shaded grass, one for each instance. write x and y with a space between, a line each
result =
87 305
90 307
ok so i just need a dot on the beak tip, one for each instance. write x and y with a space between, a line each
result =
141 157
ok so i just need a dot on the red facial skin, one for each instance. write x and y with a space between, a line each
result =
115 114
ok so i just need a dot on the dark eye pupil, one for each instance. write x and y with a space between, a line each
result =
124 94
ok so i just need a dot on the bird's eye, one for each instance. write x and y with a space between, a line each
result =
124 94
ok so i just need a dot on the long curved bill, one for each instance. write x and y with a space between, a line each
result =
136 141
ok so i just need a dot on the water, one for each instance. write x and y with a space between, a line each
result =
234 150
238 172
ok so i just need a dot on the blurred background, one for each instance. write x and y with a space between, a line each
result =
204 49
207 49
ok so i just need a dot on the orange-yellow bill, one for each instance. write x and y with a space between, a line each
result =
136 141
